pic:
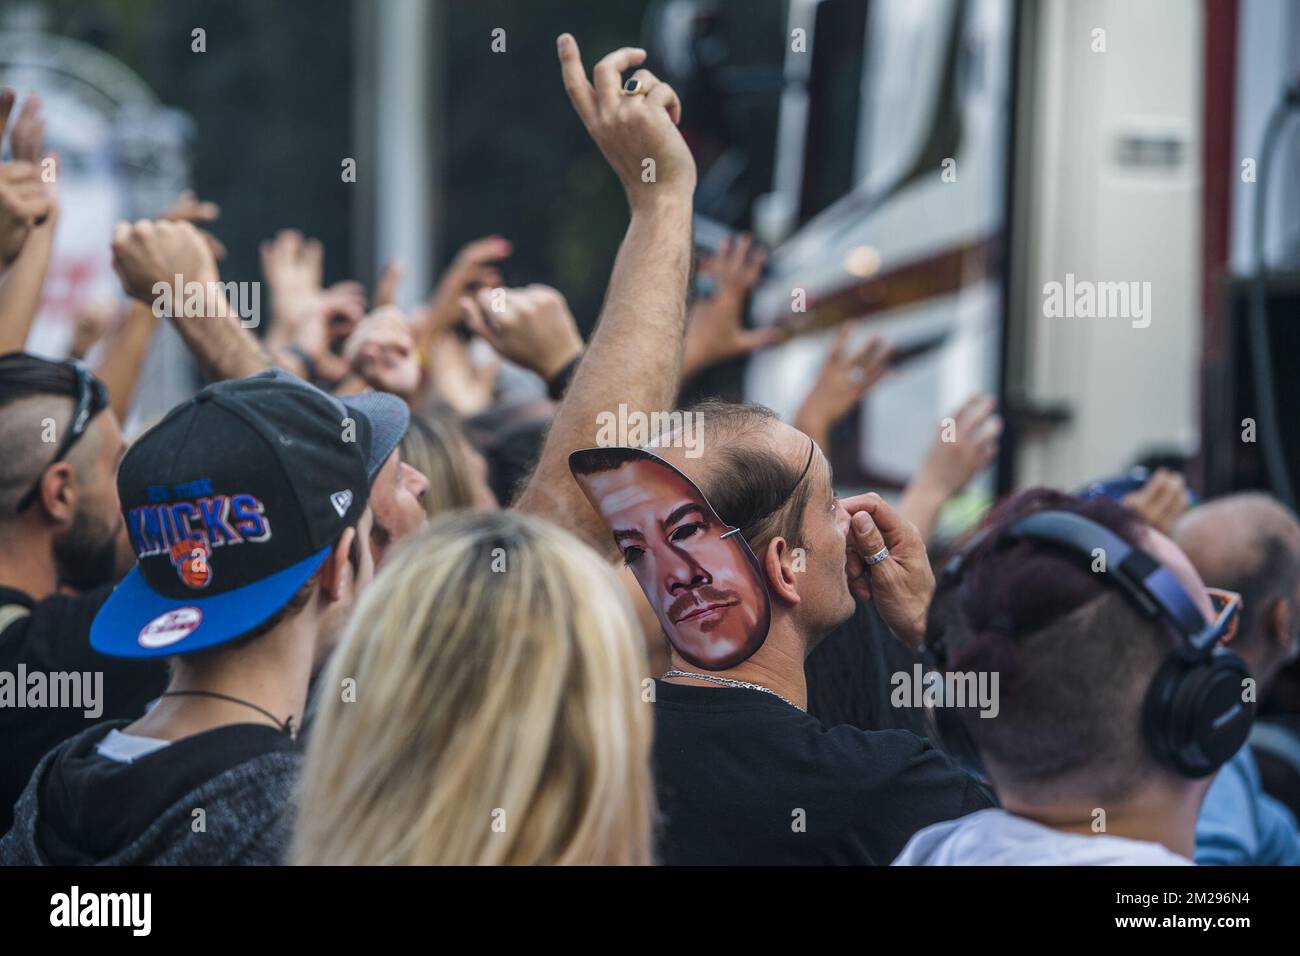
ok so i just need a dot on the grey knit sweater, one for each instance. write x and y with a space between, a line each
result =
81 808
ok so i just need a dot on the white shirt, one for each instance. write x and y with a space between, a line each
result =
998 838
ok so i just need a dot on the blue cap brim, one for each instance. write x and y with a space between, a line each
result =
119 628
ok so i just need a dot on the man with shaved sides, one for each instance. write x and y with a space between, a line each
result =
1069 751
1249 543
62 547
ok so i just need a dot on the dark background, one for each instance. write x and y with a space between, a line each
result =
272 102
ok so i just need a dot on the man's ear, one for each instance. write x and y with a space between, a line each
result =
58 492
336 574
1281 624
777 567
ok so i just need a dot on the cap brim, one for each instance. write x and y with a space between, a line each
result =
127 624
389 417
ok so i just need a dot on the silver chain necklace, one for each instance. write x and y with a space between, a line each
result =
730 683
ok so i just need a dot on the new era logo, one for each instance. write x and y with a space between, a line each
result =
342 501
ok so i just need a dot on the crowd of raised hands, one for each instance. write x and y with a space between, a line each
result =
345 338
501 401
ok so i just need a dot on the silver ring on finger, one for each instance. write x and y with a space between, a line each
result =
877 557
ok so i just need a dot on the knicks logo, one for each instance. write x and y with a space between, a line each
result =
190 559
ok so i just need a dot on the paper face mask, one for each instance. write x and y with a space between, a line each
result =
699 574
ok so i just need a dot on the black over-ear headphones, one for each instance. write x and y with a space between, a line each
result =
1194 717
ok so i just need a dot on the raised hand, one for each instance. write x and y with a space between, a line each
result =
146 253
637 134
845 376
28 137
91 321
532 327
382 353
390 280
473 268
965 444
26 200
715 330
27 142
342 307
1161 501
312 345
634 358
465 384
293 268
189 208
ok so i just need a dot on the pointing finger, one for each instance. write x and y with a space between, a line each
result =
574 74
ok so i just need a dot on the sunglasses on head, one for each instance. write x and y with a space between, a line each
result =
91 399
1227 614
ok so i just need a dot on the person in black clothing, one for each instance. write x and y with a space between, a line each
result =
744 774
248 510
849 676
59 529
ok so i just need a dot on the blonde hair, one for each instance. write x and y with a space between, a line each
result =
497 716
436 447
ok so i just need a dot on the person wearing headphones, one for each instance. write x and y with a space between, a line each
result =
1118 701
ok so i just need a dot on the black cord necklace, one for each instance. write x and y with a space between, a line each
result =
286 727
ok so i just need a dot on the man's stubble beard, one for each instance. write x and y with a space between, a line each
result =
85 556
823 629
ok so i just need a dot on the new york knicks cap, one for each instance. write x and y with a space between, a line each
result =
232 502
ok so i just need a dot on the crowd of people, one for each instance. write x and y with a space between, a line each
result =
371 597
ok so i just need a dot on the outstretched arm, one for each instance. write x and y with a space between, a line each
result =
23 284
635 355
966 443
715 329
148 256
124 354
28 215
845 377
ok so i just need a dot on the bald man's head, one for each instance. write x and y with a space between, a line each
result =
772 482
750 471
1249 543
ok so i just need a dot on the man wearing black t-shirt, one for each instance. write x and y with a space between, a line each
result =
59 528
744 774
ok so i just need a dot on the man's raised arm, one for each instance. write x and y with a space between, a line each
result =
29 210
159 264
634 357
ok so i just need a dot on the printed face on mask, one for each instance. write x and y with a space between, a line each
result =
699 575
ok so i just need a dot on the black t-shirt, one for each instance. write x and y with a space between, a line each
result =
744 778
55 638
849 676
